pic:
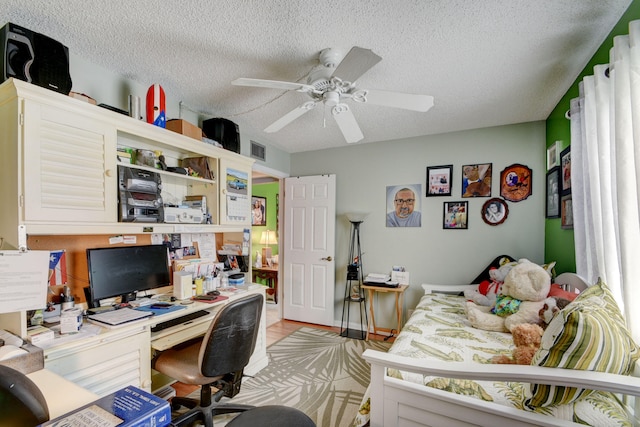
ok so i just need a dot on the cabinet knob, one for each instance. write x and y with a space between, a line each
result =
108 173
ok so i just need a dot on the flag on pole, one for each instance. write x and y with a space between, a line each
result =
58 268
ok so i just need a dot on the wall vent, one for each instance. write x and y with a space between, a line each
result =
258 151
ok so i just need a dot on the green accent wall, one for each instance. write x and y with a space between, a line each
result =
559 243
270 192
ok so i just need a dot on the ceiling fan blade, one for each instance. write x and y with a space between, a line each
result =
290 116
273 84
408 101
347 123
357 62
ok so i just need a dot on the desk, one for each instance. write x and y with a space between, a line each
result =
270 274
120 356
399 292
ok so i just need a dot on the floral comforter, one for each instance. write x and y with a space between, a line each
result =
438 329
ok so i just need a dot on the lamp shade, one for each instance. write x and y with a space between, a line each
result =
268 237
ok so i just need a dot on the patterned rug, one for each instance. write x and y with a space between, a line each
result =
316 371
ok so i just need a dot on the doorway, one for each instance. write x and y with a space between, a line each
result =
265 187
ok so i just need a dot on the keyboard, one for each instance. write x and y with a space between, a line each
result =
120 316
179 320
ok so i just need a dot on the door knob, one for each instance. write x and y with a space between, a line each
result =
327 258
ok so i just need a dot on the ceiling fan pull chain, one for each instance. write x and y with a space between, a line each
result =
324 117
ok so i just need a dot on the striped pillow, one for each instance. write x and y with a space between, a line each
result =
589 334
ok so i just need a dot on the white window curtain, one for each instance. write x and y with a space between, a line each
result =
605 174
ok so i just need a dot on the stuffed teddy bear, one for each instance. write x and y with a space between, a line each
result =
527 338
523 293
488 290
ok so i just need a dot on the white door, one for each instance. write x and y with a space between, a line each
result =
309 237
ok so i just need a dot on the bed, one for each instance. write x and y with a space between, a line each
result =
437 347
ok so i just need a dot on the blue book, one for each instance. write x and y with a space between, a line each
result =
127 407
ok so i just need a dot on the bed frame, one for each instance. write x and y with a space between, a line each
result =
401 403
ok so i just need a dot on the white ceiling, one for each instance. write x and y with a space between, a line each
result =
487 63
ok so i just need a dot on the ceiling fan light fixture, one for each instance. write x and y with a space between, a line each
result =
331 98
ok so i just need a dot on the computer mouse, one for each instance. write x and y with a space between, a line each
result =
214 293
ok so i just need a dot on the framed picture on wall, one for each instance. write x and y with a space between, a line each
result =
552 203
495 211
553 155
258 210
565 164
476 180
567 212
515 182
455 215
439 180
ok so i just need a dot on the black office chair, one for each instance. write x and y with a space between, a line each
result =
21 401
218 361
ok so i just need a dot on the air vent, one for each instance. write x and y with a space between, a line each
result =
258 151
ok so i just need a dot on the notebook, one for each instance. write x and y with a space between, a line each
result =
120 316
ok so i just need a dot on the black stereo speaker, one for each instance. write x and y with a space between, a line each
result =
224 131
34 58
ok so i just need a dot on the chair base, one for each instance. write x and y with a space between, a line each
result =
272 416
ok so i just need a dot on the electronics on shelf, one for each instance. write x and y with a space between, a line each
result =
139 195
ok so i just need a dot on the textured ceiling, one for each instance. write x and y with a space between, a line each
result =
487 63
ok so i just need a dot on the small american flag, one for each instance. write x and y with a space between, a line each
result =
58 268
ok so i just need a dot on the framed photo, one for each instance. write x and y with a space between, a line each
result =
258 210
515 182
494 211
455 215
567 212
553 155
476 180
404 205
552 205
439 180
565 164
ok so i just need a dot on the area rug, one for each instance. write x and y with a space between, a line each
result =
316 371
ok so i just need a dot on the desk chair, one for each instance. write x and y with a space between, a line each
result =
218 360
21 401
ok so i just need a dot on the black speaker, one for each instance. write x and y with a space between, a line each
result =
224 131
34 58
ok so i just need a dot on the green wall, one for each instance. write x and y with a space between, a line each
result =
559 244
270 192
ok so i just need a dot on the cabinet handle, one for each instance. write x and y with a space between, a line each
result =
327 258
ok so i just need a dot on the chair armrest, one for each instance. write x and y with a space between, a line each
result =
449 289
624 384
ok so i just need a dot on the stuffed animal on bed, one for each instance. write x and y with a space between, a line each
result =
527 338
488 290
525 288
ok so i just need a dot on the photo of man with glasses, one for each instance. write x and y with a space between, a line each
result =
402 202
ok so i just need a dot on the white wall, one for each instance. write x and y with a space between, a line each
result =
430 253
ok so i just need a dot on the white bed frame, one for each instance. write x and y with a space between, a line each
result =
401 403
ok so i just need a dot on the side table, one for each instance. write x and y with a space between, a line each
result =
270 275
399 293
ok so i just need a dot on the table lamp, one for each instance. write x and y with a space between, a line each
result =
268 238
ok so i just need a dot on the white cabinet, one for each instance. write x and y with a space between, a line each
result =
59 168
68 176
105 363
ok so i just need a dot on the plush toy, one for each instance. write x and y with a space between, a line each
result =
527 338
551 306
527 282
488 290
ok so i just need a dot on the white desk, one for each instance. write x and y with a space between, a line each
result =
62 395
121 356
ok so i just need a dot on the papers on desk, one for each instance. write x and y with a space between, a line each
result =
377 278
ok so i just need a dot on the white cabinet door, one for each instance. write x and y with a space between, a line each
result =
69 166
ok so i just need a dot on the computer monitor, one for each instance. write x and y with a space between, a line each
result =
122 271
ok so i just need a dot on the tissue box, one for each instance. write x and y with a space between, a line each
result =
185 128
70 320
37 335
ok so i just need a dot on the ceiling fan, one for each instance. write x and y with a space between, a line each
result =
333 84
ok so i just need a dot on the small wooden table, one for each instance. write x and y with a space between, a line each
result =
270 275
399 292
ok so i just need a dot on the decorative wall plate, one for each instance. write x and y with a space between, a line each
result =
515 182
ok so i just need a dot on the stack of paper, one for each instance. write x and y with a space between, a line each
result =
377 278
